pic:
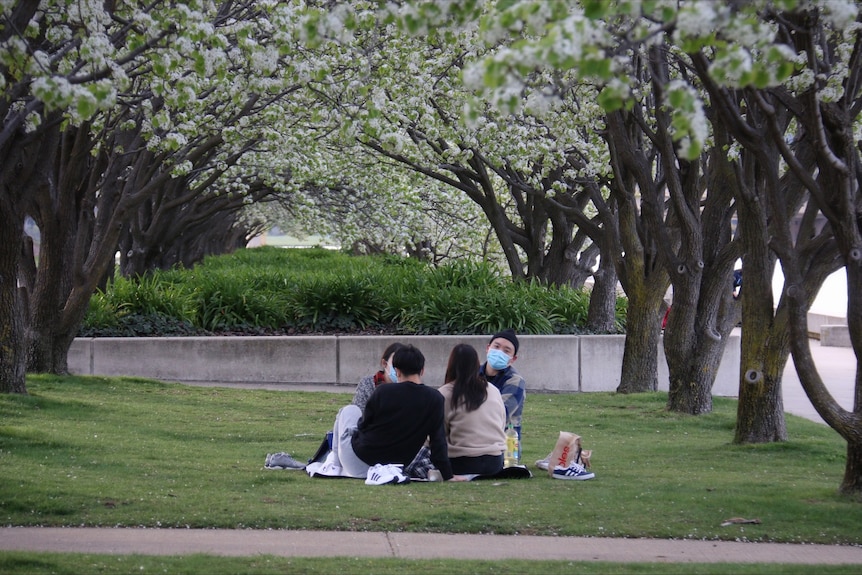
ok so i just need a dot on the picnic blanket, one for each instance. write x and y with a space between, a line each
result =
329 468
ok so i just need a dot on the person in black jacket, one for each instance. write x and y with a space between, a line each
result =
397 421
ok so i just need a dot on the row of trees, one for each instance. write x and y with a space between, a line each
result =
125 126
763 102
647 143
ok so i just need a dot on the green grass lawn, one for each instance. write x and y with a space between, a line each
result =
84 564
91 451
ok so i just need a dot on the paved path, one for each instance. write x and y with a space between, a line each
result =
837 368
414 546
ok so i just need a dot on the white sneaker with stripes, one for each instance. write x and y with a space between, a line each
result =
385 473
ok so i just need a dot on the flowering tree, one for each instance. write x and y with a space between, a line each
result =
556 53
51 74
23 163
528 173
783 78
341 188
127 101
804 134
672 231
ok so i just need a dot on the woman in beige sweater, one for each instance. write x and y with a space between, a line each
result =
474 416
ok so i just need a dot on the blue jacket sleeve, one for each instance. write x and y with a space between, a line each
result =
514 391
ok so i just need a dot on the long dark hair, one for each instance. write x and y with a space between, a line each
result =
470 387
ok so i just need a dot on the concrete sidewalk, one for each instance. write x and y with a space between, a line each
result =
242 543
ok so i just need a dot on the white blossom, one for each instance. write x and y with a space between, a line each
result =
175 140
182 169
839 13
697 19
32 122
97 50
266 60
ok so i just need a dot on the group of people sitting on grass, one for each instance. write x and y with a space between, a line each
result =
397 429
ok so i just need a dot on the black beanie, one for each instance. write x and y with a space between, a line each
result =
507 334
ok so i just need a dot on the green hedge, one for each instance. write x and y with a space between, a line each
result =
274 290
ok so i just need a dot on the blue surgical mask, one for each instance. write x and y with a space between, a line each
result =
392 375
498 359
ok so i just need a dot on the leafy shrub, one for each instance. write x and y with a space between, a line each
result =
138 325
101 314
275 290
325 302
157 293
228 301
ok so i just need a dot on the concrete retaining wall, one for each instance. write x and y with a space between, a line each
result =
835 336
817 321
548 363
830 330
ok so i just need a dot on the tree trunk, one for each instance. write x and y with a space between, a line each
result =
174 226
49 353
851 484
704 311
694 355
79 217
49 331
12 348
645 282
846 423
640 247
142 251
22 173
690 389
601 316
764 352
57 209
566 259
640 354
800 289
765 343
760 411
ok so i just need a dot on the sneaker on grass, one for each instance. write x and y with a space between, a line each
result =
282 461
574 471
383 474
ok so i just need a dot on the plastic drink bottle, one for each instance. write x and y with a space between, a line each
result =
513 448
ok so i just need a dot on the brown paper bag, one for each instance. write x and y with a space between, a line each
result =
568 450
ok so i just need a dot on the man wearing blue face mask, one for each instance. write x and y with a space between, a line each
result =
502 351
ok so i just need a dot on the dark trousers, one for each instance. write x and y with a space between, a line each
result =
483 464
